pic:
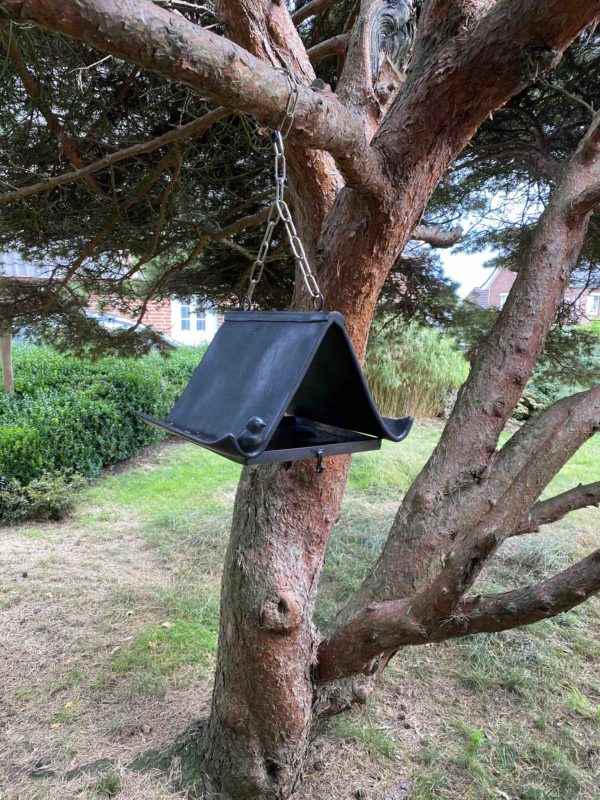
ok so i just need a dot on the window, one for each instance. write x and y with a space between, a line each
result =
200 320
594 305
503 297
186 314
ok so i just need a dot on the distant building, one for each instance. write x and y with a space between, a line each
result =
179 320
495 290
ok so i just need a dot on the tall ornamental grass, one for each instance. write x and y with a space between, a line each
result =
413 370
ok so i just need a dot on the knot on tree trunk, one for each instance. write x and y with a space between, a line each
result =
281 613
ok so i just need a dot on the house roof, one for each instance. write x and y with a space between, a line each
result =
273 384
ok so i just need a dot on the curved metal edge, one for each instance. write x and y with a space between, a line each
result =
398 429
390 428
227 444
394 430
325 321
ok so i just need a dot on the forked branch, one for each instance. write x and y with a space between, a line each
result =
501 612
383 628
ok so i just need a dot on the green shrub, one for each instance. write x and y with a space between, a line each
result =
20 452
413 370
47 498
72 415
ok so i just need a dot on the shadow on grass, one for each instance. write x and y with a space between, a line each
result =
180 762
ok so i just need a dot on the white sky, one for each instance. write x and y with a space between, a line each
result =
466 269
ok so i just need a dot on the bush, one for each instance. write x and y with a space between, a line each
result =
75 416
20 452
47 498
413 370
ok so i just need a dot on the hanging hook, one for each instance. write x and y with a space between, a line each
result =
320 465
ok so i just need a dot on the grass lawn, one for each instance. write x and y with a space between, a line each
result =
109 631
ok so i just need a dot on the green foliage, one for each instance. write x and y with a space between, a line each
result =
109 785
570 361
578 703
20 452
593 328
413 370
47 498
75 416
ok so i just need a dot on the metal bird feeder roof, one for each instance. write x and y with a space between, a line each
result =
280 386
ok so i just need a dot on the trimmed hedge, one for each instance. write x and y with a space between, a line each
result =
72 416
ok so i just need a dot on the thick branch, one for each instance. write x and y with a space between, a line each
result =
478 525
506 359
489 52
555 508
311 9
165 42
382 628
266 30
493 613
336 46
356 84
437 235
189 131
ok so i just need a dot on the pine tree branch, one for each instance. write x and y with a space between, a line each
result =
190 131
501 612
532 457
555 508
66 143
311 9
162 41
335 46
382 628
490 52
506 359
438 235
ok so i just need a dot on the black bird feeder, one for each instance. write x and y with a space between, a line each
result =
280 386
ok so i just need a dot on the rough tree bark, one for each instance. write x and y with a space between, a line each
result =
6 360
364 165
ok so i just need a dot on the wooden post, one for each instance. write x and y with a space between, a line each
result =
7 366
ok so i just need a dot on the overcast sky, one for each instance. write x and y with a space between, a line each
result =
466 270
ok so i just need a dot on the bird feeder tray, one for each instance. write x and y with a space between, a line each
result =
280 386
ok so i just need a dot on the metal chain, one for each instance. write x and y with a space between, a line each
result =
281 211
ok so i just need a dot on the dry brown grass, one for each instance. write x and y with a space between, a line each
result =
62 619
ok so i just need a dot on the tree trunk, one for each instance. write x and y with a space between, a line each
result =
7 366
262 702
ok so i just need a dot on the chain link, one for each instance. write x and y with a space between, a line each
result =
280 211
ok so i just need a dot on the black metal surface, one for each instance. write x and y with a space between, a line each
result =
280 386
